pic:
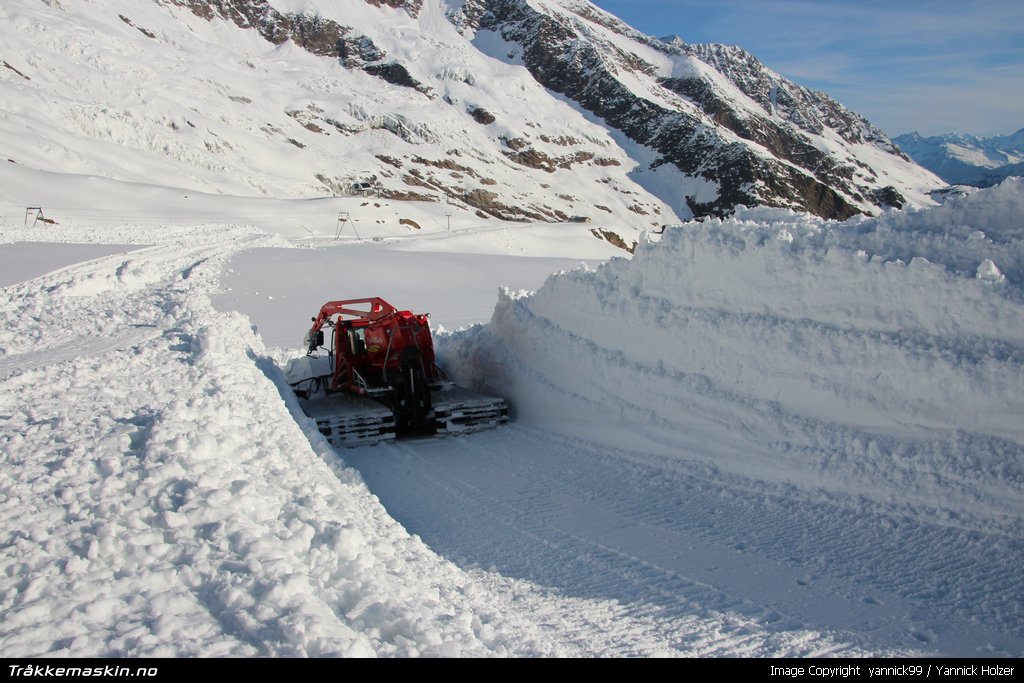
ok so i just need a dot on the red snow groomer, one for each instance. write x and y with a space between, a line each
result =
381 379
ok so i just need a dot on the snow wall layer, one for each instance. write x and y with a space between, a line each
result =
881 358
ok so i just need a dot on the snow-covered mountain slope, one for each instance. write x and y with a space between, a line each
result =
523 110
205 105
711 111
967 159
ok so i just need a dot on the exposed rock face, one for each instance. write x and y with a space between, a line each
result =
481 116
310 31
411 6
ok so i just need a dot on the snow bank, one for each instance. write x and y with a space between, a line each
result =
881 358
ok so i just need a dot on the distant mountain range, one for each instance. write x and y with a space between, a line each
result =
967 159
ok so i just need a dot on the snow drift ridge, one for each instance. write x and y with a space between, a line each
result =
881 357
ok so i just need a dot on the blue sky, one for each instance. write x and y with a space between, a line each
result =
934 66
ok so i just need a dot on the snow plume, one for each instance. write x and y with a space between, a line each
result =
879 359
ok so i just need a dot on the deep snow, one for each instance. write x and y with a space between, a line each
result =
750 439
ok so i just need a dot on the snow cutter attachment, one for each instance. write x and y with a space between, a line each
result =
380 378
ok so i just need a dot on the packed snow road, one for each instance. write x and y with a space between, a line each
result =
679 539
